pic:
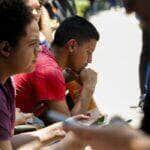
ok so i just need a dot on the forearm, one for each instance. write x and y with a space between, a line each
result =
42 135
59 106
113 138
125 139
48 133
70 142
22 139
45 25
83 101
5 145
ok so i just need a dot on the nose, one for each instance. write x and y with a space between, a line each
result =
90 58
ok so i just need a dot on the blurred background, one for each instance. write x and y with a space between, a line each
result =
60 9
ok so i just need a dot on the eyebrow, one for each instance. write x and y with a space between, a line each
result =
31 40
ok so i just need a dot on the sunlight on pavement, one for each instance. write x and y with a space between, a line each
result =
116 60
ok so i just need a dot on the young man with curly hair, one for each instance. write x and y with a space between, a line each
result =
19 37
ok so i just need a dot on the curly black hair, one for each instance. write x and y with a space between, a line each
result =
14 17
75 28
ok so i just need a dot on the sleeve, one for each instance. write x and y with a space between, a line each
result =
49 85
5 127
4 134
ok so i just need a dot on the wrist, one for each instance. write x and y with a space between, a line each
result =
86 93
87 88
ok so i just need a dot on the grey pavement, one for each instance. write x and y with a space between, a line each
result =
116 60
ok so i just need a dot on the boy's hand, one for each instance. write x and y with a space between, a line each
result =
21 117
88 78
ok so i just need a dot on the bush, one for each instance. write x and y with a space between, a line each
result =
82 6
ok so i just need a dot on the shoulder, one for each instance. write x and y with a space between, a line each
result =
22 80
49 75
47 67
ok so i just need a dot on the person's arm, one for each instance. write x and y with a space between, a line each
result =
54 105
51 89
46 135
110 138
59 106
89 79
5 127
45 24
41 135
5 145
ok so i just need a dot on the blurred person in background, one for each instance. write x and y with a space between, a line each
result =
143 16
44 21
112 3
142 10
82 8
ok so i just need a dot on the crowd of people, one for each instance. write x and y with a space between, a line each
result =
44 54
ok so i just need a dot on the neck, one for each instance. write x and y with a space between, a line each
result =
61 58
4 75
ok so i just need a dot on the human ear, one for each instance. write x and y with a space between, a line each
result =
5 49
72 44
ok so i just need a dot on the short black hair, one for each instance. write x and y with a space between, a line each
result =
75 28
14 17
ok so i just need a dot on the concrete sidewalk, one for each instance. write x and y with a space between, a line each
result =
116 60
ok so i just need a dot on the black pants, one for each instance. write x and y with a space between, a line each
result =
144 58
145 126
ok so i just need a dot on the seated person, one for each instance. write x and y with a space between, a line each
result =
19 36
74 88
123 138
44 89
19 46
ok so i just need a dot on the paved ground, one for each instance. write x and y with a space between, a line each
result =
116 60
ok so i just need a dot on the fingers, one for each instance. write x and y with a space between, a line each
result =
76 128
74 123
88 71
80 117
28 115
88 77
